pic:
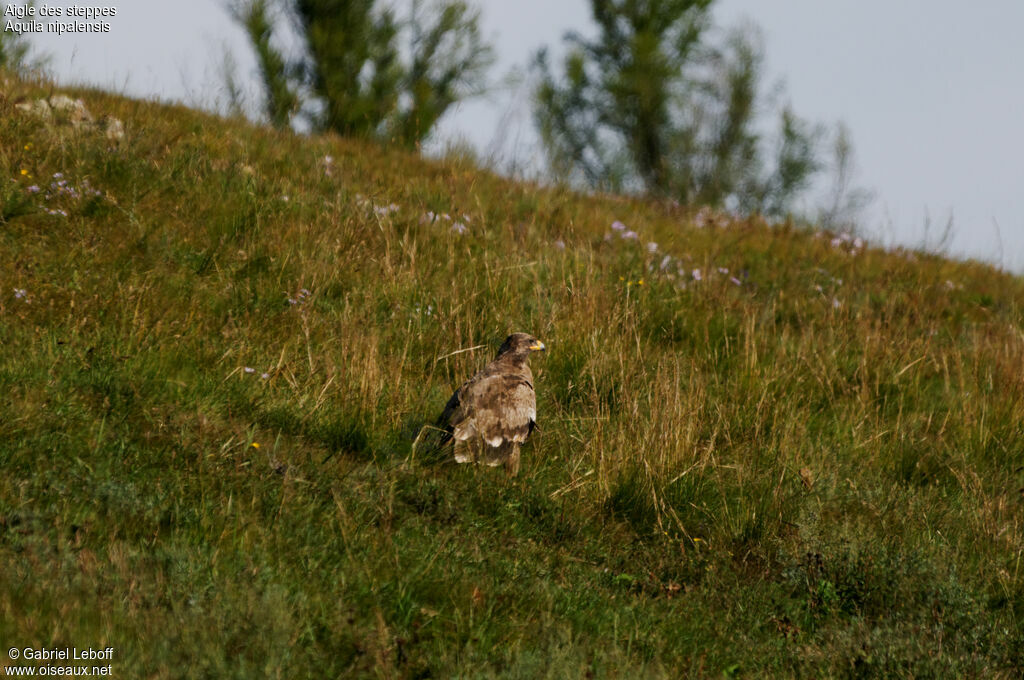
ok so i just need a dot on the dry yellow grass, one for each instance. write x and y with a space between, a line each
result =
763 449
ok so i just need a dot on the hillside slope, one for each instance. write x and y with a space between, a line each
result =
763 450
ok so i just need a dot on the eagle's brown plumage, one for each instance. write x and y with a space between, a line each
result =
496 410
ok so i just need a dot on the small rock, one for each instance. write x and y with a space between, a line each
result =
113 128
39 108
61 107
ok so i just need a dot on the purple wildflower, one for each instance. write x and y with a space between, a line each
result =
618 226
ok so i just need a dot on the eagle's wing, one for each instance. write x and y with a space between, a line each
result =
499 407
448 416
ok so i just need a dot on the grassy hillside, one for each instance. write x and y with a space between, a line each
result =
763 450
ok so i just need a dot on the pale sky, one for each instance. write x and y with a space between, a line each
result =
929 90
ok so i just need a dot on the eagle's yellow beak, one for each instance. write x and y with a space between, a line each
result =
538 346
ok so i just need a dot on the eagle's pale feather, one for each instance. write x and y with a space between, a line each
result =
495 411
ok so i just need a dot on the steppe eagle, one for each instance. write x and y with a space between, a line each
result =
496 410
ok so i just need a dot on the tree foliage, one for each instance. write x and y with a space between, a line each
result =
15 49
365 71
845 202
281 101
649 105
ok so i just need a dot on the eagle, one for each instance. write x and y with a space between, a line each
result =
496 410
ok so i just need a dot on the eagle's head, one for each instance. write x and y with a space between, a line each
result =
520 345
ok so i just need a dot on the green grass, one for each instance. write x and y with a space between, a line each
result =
814 473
